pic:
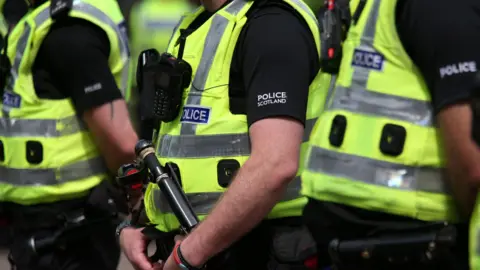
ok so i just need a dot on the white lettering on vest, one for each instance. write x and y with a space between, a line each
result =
459 68
366 59
271 98
195 114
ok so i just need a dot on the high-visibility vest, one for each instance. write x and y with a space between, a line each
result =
3 22
46 152
474 235
3 27
152 23
207 133
376 145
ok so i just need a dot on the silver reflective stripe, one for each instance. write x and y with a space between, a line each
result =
309 12
477 244
204 146
203 203
193 146
331 90
375 172
212 40
309 124
175 30
86 8
357 98
360 74
42 177
21 46
363 101
11 127
160 24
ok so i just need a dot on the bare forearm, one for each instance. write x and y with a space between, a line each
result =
463 176
113 133
463 155
248 200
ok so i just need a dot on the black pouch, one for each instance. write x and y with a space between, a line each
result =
164 243
291 247
106 200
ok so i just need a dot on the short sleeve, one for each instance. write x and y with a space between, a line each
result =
78 53
441 37
280 61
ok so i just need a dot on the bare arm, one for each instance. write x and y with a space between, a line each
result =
113 132
463 154
258 186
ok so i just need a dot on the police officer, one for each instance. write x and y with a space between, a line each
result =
399 115
255 94
64 129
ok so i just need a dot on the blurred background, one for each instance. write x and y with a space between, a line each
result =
151 23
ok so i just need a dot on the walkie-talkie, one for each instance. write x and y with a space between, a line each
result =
162 79
332 33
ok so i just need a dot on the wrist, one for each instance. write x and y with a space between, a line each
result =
123 225
185 258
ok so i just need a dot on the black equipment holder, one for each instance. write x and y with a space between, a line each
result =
335 23
162 79
420 247
75 225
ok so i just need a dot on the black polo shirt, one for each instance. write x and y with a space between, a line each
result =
276 53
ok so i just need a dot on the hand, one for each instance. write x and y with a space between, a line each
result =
170 264
134 243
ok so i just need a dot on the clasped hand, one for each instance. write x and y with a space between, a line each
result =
134 245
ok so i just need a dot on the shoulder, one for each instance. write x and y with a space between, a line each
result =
276 34
278 14
73 35
277 25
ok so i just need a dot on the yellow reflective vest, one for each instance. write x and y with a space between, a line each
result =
217 136
46 152
3 22
3 26
376 145
152 23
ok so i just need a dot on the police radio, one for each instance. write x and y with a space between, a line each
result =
334 22
162 79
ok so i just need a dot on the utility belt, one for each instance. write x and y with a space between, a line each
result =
291 246
413 247
53 224
396 245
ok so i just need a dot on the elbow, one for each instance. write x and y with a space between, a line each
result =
282 171
473 175
126 151
122 154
